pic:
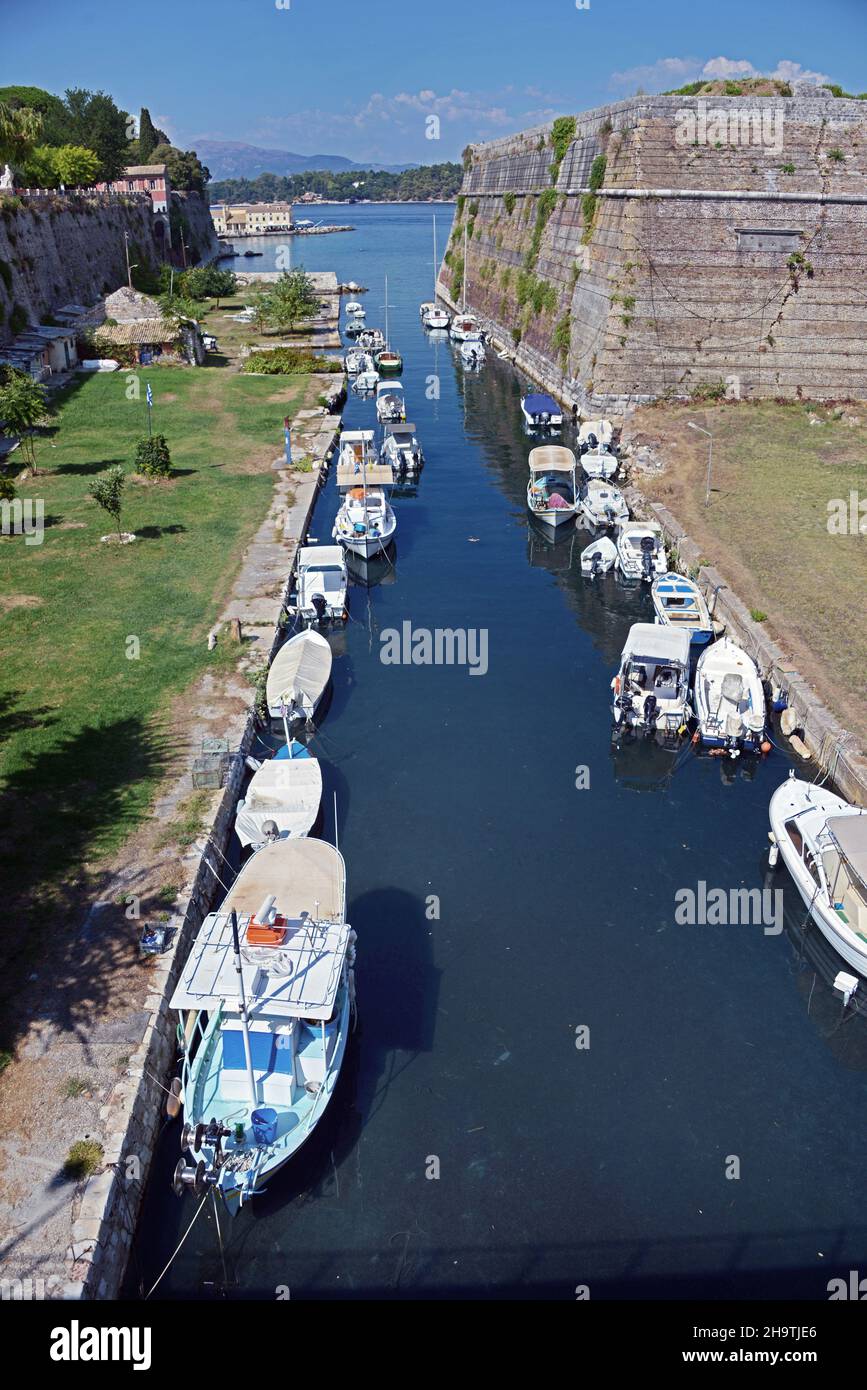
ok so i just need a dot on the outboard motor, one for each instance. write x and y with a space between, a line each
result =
592 441
651 711
609 514
595 563
648 545
545 417
319 606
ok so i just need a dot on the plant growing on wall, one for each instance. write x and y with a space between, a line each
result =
562 338
509 202
562 135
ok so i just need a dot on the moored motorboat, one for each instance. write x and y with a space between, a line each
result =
463 326
426 308
353 360
600 462
297 678
354 328
651 689
640 550
321 582
353 307
387 360
595 434
390 402
599 557
679 602
729 700
552 489
437 320
602 504
282 800
265 999
541 411
365 523
823 843
373 339
367 377
401 450
472 352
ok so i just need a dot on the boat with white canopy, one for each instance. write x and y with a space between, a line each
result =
401 450
321 582
298 677
651 689
463 326
390 401
729 699
282 800
679 602
365 523
552 489
265 1000
823 844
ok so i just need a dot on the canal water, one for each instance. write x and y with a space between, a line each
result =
701 1137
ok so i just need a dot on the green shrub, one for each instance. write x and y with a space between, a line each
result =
474 209
460 205
836 154
563 337
708 391
562 135
597 173
152 457
83 1159
285 361
509 202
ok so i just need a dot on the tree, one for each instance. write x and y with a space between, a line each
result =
23 409
207 282
71 165
147 136
99 125
107 490
176 306
152 457
292 299
20 128
185 169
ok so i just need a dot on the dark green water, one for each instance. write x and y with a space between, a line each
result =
558 1166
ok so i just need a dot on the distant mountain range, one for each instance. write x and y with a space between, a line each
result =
231 159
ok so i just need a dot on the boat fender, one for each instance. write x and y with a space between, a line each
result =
616 685
696 738
766 746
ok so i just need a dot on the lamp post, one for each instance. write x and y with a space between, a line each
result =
709 458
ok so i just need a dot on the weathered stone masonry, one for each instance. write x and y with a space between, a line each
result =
696 263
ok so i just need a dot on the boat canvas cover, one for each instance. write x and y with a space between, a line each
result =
403 433
356 436
300 668
849 834
552 458
300 978
288 788
315 557
539 404
649 642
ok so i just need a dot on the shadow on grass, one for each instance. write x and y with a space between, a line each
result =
83 469
153 533
54 810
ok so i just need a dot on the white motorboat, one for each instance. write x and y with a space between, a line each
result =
266 998
602 504
367 377
600 463
358 461
354 328
354 360
426 308
595 433
373 339
823 843
541 411
463 326
365 523
401 450
640 550
390 402
353 307
472 352
437 320
321 582
729 700
282 800
298 678
651 689
599 557
552 489
679 602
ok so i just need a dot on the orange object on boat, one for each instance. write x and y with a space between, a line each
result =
269 935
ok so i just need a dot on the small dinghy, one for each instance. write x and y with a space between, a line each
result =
265 998
599 463
678 602
602 504
651 689
365 523
390 402
640 550
729 699
551 490
298 678
321 582
541 411
823 843
595 434
599 557
282 800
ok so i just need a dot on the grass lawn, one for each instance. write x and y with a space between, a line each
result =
84 734
766 529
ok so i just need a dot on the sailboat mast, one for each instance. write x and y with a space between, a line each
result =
386 312
464 283
435 255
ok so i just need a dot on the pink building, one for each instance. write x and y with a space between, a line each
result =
154 180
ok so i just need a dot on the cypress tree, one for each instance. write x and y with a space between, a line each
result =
147 136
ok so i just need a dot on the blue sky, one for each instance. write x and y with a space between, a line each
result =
360 77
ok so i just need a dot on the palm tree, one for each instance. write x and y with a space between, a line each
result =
20 129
